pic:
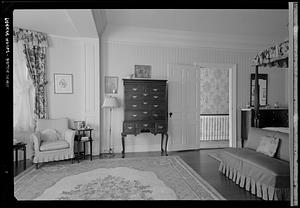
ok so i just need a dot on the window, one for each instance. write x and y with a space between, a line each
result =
23 91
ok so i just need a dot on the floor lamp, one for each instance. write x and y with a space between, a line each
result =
110 102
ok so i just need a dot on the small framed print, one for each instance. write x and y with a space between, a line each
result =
111 85
142 71
63 83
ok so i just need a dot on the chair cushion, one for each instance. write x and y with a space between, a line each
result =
54 145
49 135
268 145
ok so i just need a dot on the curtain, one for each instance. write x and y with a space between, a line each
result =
23 91
35 44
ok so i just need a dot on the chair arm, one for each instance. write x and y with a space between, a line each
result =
36 139
69 137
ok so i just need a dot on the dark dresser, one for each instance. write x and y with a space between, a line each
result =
274 117
268 117
145 109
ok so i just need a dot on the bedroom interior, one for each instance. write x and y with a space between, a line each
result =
202 109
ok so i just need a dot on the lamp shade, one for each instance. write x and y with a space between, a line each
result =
110 102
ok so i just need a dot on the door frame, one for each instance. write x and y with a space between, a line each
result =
232 95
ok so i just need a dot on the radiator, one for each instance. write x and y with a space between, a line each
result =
214 127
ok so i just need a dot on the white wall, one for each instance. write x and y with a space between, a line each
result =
79 57
66 56
120 55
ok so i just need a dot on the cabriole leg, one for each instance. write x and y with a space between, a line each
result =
123 146
166 144
161 144
91 149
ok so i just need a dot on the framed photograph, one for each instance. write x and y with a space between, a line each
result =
111 85
63 83
142 71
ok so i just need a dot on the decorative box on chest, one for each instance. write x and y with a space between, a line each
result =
145 109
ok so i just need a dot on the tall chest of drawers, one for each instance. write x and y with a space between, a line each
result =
145 109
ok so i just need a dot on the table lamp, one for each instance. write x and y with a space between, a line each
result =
110 102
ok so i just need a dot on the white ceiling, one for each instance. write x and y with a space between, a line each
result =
80 23
61 22
247 22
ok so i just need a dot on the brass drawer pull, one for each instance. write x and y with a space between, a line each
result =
129 127
134 89
134 106
145 112
145 103
155 115
145 125
134 115
155 97
160 127
145 94
155 90
155 106
134 96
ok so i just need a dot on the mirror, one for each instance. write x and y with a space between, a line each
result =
263 89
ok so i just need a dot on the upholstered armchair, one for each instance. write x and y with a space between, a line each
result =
52 141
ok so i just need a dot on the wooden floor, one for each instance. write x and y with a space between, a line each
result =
201 162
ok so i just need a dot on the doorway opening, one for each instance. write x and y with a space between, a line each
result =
202 105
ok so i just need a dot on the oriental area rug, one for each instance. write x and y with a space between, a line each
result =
143 178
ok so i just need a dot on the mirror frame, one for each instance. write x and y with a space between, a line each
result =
252 85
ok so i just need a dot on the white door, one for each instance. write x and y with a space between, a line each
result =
182 93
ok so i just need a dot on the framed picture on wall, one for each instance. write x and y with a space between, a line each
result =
63 83
142 71
111 84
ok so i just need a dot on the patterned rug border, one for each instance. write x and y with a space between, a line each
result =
24 173
207 186
188 171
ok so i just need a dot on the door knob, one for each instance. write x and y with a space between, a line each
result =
170 114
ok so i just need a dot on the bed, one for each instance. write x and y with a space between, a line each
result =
265 175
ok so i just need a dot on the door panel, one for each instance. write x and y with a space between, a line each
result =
175 133
182 87
189 89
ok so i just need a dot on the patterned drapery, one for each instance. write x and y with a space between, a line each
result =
276 55
30 38
35 51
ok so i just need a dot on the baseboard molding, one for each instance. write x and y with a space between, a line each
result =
156 147
138 148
